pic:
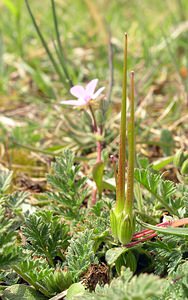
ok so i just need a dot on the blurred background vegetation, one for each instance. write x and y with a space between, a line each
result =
34 127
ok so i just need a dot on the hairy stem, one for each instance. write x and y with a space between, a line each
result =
131 151
120 189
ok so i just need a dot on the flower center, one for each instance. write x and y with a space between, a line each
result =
87 98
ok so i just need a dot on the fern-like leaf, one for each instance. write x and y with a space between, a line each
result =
46 235
49 281
81 253
169 252
177 288
162 189
70 189
9 253
5 180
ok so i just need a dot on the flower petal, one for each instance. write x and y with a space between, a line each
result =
78 91
78 102
90 87
98 92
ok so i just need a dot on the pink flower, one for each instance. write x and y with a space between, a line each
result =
84 95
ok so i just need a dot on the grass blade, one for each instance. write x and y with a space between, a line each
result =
55 64
60 52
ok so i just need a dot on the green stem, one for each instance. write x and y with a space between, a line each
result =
131 151
120 189
49 258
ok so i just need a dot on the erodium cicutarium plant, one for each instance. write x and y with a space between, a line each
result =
122 216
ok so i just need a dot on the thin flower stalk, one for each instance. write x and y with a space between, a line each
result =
85 97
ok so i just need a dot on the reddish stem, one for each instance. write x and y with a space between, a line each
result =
99 146
149 233
97 130
94 196
141 240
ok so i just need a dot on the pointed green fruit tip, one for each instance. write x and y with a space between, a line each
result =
178 158
184 168
126 229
